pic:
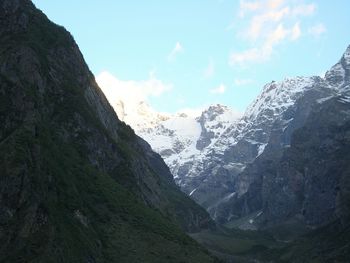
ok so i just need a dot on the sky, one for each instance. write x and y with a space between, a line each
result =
188 54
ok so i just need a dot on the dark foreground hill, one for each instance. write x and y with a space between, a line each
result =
76 184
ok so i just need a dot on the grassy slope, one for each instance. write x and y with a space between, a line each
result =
117 228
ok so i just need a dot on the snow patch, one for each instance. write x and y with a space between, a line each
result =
345 99
228 197
261 149
192 192
324 99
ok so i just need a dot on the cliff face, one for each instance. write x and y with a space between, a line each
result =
306 180
76 184
303 174
309 185
312 177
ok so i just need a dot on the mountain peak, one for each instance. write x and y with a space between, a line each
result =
217 106
346 55
219 112
339 74
278 96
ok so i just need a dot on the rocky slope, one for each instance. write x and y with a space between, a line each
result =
304 180
307 189
76 184
215 175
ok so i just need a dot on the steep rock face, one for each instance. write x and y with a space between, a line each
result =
76 183
312 177
277 185
228 179
242 142
307 188
217 176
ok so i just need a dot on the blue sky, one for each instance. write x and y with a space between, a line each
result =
192 53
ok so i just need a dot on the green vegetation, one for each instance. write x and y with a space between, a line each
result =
240 244
73 191
327 244
82 212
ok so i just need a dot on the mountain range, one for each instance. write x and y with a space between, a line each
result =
231 164
82 176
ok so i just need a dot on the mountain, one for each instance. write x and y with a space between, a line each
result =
183 139
212 160
303 196
302 179
177 137
76 183
297 190
281 169
216 178
292 148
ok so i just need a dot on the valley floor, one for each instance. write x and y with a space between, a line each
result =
285 243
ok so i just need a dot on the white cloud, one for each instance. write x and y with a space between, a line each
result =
242 82
130 92
273 4
246 6
276 36
296 31
258 22
248 55
317 30
176 50
221 89
266 25
304 10
263 52
210 70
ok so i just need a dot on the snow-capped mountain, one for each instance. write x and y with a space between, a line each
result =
268 126
179 138
207 153
212 178
300 174
182 139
